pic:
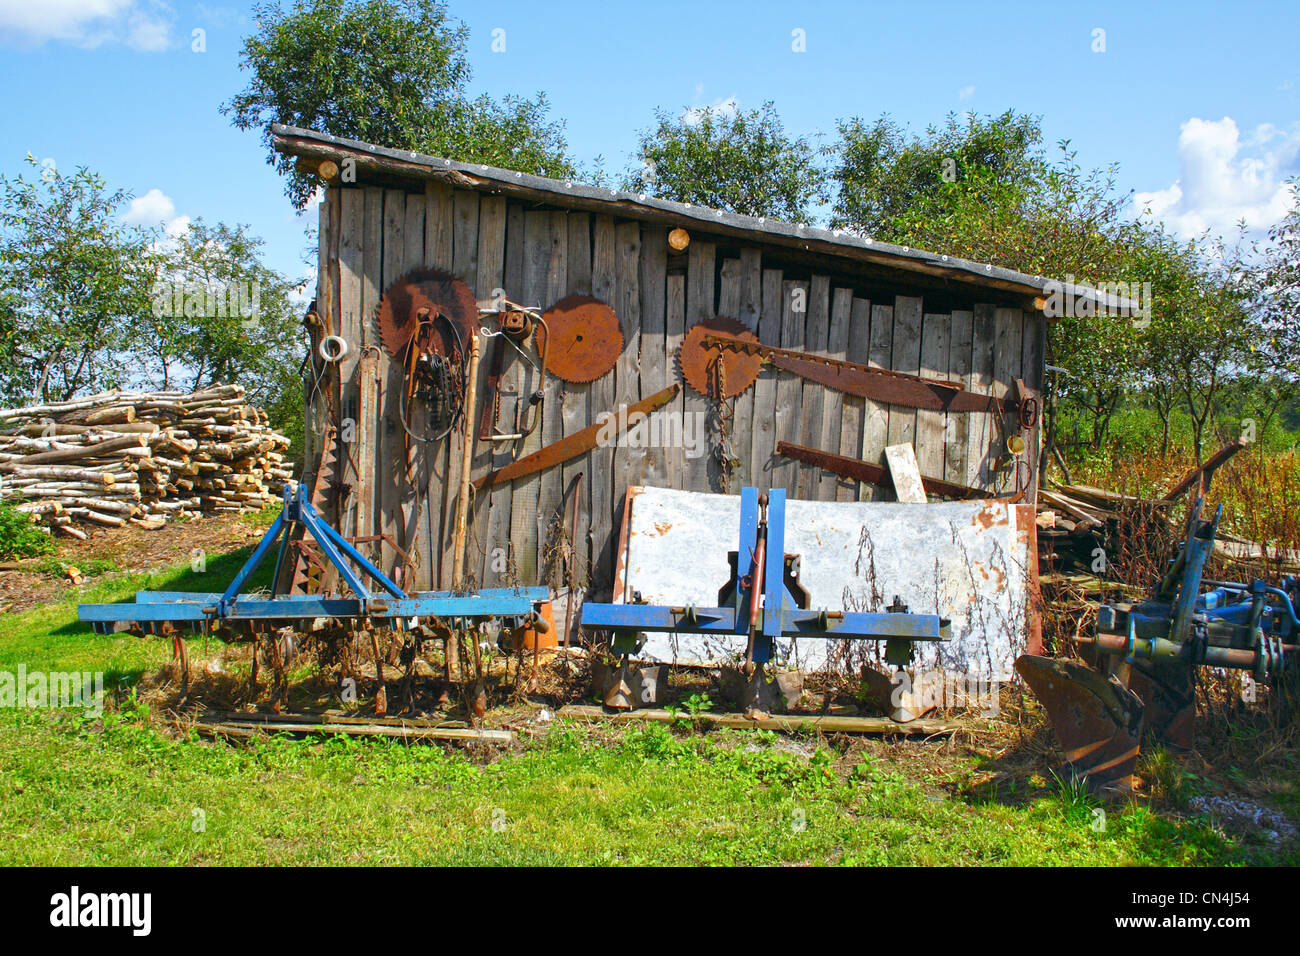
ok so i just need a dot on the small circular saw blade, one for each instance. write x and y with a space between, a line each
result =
434 291
586 339
697 360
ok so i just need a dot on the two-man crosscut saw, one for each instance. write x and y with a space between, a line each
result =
579 443
878 384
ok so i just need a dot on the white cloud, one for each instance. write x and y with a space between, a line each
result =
139 24
966 92
155 208
1223 178
723 107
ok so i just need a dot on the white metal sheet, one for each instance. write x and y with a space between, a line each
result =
968 561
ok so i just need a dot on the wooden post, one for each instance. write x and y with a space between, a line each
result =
466 463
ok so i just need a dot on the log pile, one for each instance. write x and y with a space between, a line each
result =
139 457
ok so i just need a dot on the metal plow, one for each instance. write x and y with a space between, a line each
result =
1147 653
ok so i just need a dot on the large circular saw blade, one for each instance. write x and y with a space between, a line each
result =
427 293
700 363
585 339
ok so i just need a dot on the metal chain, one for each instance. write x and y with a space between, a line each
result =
724 419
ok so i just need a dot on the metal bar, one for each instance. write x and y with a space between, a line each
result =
536 594
869 473
331 553
317 526
796 623
1198 548
776 599
309 607
250 567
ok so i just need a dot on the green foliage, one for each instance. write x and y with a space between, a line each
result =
1076 796
983 190
88 567
884 178
89 304
72 280
393 72
741 161
19 537
220 314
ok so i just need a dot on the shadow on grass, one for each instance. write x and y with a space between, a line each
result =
216 575
1021 774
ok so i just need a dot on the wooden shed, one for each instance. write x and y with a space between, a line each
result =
833 294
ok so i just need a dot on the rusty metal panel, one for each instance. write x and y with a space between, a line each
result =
970 561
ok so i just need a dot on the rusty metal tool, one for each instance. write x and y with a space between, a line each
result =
704 364
430 293
878 384
579 443
755 580
467 461
570 572
582 337
865 471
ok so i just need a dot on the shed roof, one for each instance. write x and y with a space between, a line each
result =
406 164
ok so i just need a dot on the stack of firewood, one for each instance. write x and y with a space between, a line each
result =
139 457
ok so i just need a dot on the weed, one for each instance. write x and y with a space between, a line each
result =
19 537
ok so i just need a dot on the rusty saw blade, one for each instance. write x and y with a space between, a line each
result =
410 309
579 443
714 370
878 384
585 339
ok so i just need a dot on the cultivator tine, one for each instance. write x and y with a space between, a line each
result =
252 674
1097 719
381 696
180 654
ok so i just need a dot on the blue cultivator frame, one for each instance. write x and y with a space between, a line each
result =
389 605
763 606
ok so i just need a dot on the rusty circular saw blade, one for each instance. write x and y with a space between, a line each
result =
437 292
586 339
698 361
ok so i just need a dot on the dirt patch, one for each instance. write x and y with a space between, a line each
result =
130 549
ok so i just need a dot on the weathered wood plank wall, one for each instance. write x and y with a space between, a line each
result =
371 236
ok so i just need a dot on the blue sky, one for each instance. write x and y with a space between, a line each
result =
1199 103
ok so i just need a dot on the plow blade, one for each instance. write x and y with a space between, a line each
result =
1097 719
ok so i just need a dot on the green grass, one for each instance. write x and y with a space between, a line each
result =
122 790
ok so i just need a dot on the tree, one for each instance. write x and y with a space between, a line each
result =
1276 299
882 177
392 72
72 280
741 161
219 314
980 189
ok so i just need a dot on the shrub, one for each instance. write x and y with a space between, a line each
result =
19 538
